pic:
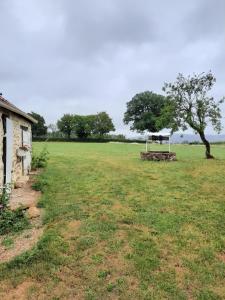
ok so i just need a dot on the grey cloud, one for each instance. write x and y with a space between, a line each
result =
92 55
109 22
206 20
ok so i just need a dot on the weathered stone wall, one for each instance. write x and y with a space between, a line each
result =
1 150
17 174
17 166
158 155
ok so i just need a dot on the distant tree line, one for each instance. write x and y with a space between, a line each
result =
40 128
186 103
73 125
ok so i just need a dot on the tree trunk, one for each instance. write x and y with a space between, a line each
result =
207 145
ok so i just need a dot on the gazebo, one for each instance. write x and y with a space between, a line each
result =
158 155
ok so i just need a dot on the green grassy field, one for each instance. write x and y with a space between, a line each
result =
121 228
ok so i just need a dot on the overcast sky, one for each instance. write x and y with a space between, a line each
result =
87 56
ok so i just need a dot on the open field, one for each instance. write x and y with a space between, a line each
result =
117 227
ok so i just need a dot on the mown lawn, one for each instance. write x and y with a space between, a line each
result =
121 228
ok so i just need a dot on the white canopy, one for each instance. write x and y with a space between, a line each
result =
157 136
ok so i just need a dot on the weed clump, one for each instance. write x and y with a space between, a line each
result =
10 221
40 184
40 160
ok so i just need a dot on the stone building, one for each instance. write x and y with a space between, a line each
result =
15 146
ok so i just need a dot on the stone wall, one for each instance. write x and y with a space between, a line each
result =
1 150
17 174
158 155
17 166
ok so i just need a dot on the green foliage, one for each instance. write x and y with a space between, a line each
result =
97 258
7 242
40 184
93 139
38 129
12 221
40 160
4 196
85 126
116 137
102 124
189 105
111 286
85 243
103 274
66 124
144 110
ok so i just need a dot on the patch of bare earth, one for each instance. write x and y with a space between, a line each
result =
25 197
22 243
220 291
221 257
72 229
21 292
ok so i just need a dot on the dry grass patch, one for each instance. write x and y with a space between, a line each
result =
21 243
25 290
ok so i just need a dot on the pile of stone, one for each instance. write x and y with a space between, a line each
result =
158 156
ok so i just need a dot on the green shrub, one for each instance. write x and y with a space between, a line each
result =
40 160
40 184
12 221
4 196
7 242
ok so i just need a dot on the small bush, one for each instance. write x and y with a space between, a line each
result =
4 196
103 274
40 184
40 160
7 242
12 221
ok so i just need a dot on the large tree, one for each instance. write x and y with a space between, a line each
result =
66 124
83 125
39 128
189 105
143 112
102 124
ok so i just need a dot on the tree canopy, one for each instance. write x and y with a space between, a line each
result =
143 112
189 105
84 126
102 124
66 124
38 129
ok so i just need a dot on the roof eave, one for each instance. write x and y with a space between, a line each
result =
19 112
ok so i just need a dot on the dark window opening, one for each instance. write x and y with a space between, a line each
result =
4 147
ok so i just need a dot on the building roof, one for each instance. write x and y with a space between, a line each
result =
9 106
159 134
